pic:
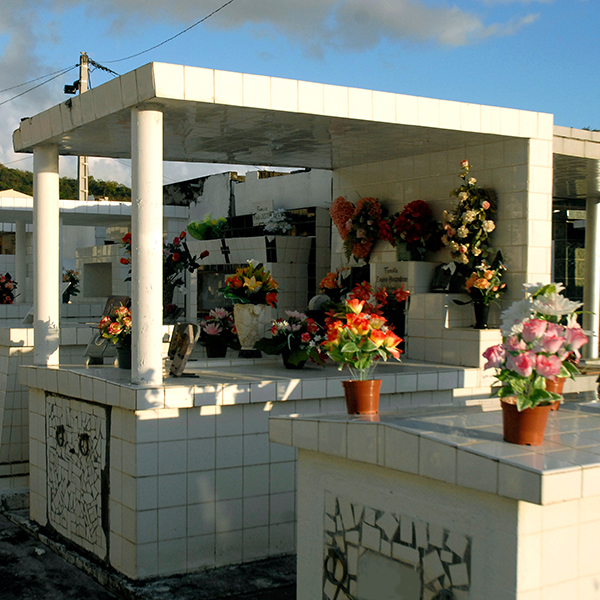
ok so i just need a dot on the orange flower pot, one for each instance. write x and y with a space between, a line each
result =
525 428
555 386
362 397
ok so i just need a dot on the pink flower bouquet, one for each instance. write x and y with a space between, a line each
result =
536 347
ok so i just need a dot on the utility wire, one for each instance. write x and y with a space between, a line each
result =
214 12
99 66
34 80
60 73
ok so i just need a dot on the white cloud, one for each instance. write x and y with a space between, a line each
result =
28 30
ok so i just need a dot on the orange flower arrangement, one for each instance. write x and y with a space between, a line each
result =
484 285
359 340
252 284
358 226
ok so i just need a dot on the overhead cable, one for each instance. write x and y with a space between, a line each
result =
214 12
63 72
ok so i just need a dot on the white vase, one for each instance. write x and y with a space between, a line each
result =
252 321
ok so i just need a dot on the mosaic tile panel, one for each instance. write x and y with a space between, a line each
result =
76 434
370 553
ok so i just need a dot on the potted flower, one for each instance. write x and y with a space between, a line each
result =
7 289
358 226
70 276
277 223
217 333
485 286
413 231
296 338
533 352
117 328
208 228
467 228
177 259
252 290
545 301
359 340
332 289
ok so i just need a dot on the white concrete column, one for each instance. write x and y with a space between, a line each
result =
591 290
46 268
20 274
147 244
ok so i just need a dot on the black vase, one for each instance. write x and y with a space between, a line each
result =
216 348
285 355
482 312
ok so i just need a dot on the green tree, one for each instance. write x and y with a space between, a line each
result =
22 181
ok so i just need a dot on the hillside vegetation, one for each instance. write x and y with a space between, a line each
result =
22 181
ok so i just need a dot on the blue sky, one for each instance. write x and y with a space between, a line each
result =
529 54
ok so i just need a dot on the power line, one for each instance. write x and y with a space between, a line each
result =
60 73
214 12
33 80
12 162
99 66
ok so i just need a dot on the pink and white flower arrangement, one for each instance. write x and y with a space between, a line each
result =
218 324
297 335
541 341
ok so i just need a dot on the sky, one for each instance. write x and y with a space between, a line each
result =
539 55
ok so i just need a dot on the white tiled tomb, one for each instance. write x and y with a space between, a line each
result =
432 500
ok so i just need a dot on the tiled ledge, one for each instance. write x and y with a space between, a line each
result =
70 334
464 446
235 381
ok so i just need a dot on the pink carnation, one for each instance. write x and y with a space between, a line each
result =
522 364
548 366
495 356
575 338
514 344
533 329
552 343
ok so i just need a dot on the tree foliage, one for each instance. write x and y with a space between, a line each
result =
22 181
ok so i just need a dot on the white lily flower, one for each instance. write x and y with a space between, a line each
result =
555 305
513 317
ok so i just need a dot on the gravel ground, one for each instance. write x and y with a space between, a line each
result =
36 567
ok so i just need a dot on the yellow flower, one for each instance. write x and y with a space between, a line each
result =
251 283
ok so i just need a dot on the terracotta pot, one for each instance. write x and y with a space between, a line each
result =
555 386
362 397
482 312
526 427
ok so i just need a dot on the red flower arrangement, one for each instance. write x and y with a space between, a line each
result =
415 226
359 227
176 259
7 289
